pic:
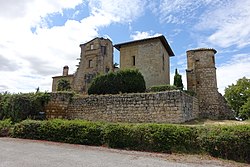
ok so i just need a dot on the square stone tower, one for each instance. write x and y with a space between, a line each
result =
201 78
96 58
150 56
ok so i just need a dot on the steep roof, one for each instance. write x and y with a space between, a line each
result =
161 38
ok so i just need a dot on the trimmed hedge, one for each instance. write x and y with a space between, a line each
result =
77 132
230 142
123 81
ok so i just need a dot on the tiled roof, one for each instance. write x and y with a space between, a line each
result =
162 39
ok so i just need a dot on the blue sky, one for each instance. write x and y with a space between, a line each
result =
38 38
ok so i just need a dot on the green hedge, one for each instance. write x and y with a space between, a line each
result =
230 142
21 106
123 81
78 132
5 127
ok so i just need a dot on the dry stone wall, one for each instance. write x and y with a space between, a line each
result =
162 107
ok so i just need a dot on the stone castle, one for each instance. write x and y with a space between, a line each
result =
151 57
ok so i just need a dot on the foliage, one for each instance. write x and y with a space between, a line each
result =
123 81
230 142
21 106
63 85
159 88
151 137
237 96
5 127
245 110
78 132
178 80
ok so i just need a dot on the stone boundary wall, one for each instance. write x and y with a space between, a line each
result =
161 107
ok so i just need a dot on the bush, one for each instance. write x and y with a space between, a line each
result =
230 142
123 81
151 137
77 132
5 127
21 106
159 88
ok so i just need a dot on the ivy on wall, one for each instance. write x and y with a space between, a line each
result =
21 106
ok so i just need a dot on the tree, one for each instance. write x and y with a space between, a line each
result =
122 81
238 97
63 85
178 80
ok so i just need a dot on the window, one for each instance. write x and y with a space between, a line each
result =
90 65
133 60
213 59
103 50
163 62
91 46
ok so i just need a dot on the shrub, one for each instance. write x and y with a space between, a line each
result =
21 106
5 127
63 85
78 132
159 88
230 142
178 80
123 81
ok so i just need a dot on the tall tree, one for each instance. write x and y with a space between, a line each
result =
238 97
178 80
63 85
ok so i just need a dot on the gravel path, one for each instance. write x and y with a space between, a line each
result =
33 153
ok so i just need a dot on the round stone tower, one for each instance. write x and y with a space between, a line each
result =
201 78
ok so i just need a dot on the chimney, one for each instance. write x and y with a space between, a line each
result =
65 70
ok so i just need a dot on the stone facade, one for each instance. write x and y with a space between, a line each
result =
96 58
162 107
150 56
65 76
201 78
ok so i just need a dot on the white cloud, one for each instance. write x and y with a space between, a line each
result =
229 24
234 69
30 59
180 11
142 35
119 10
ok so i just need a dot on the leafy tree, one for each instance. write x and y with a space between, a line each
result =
63 85
238 97
245 110
178 80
